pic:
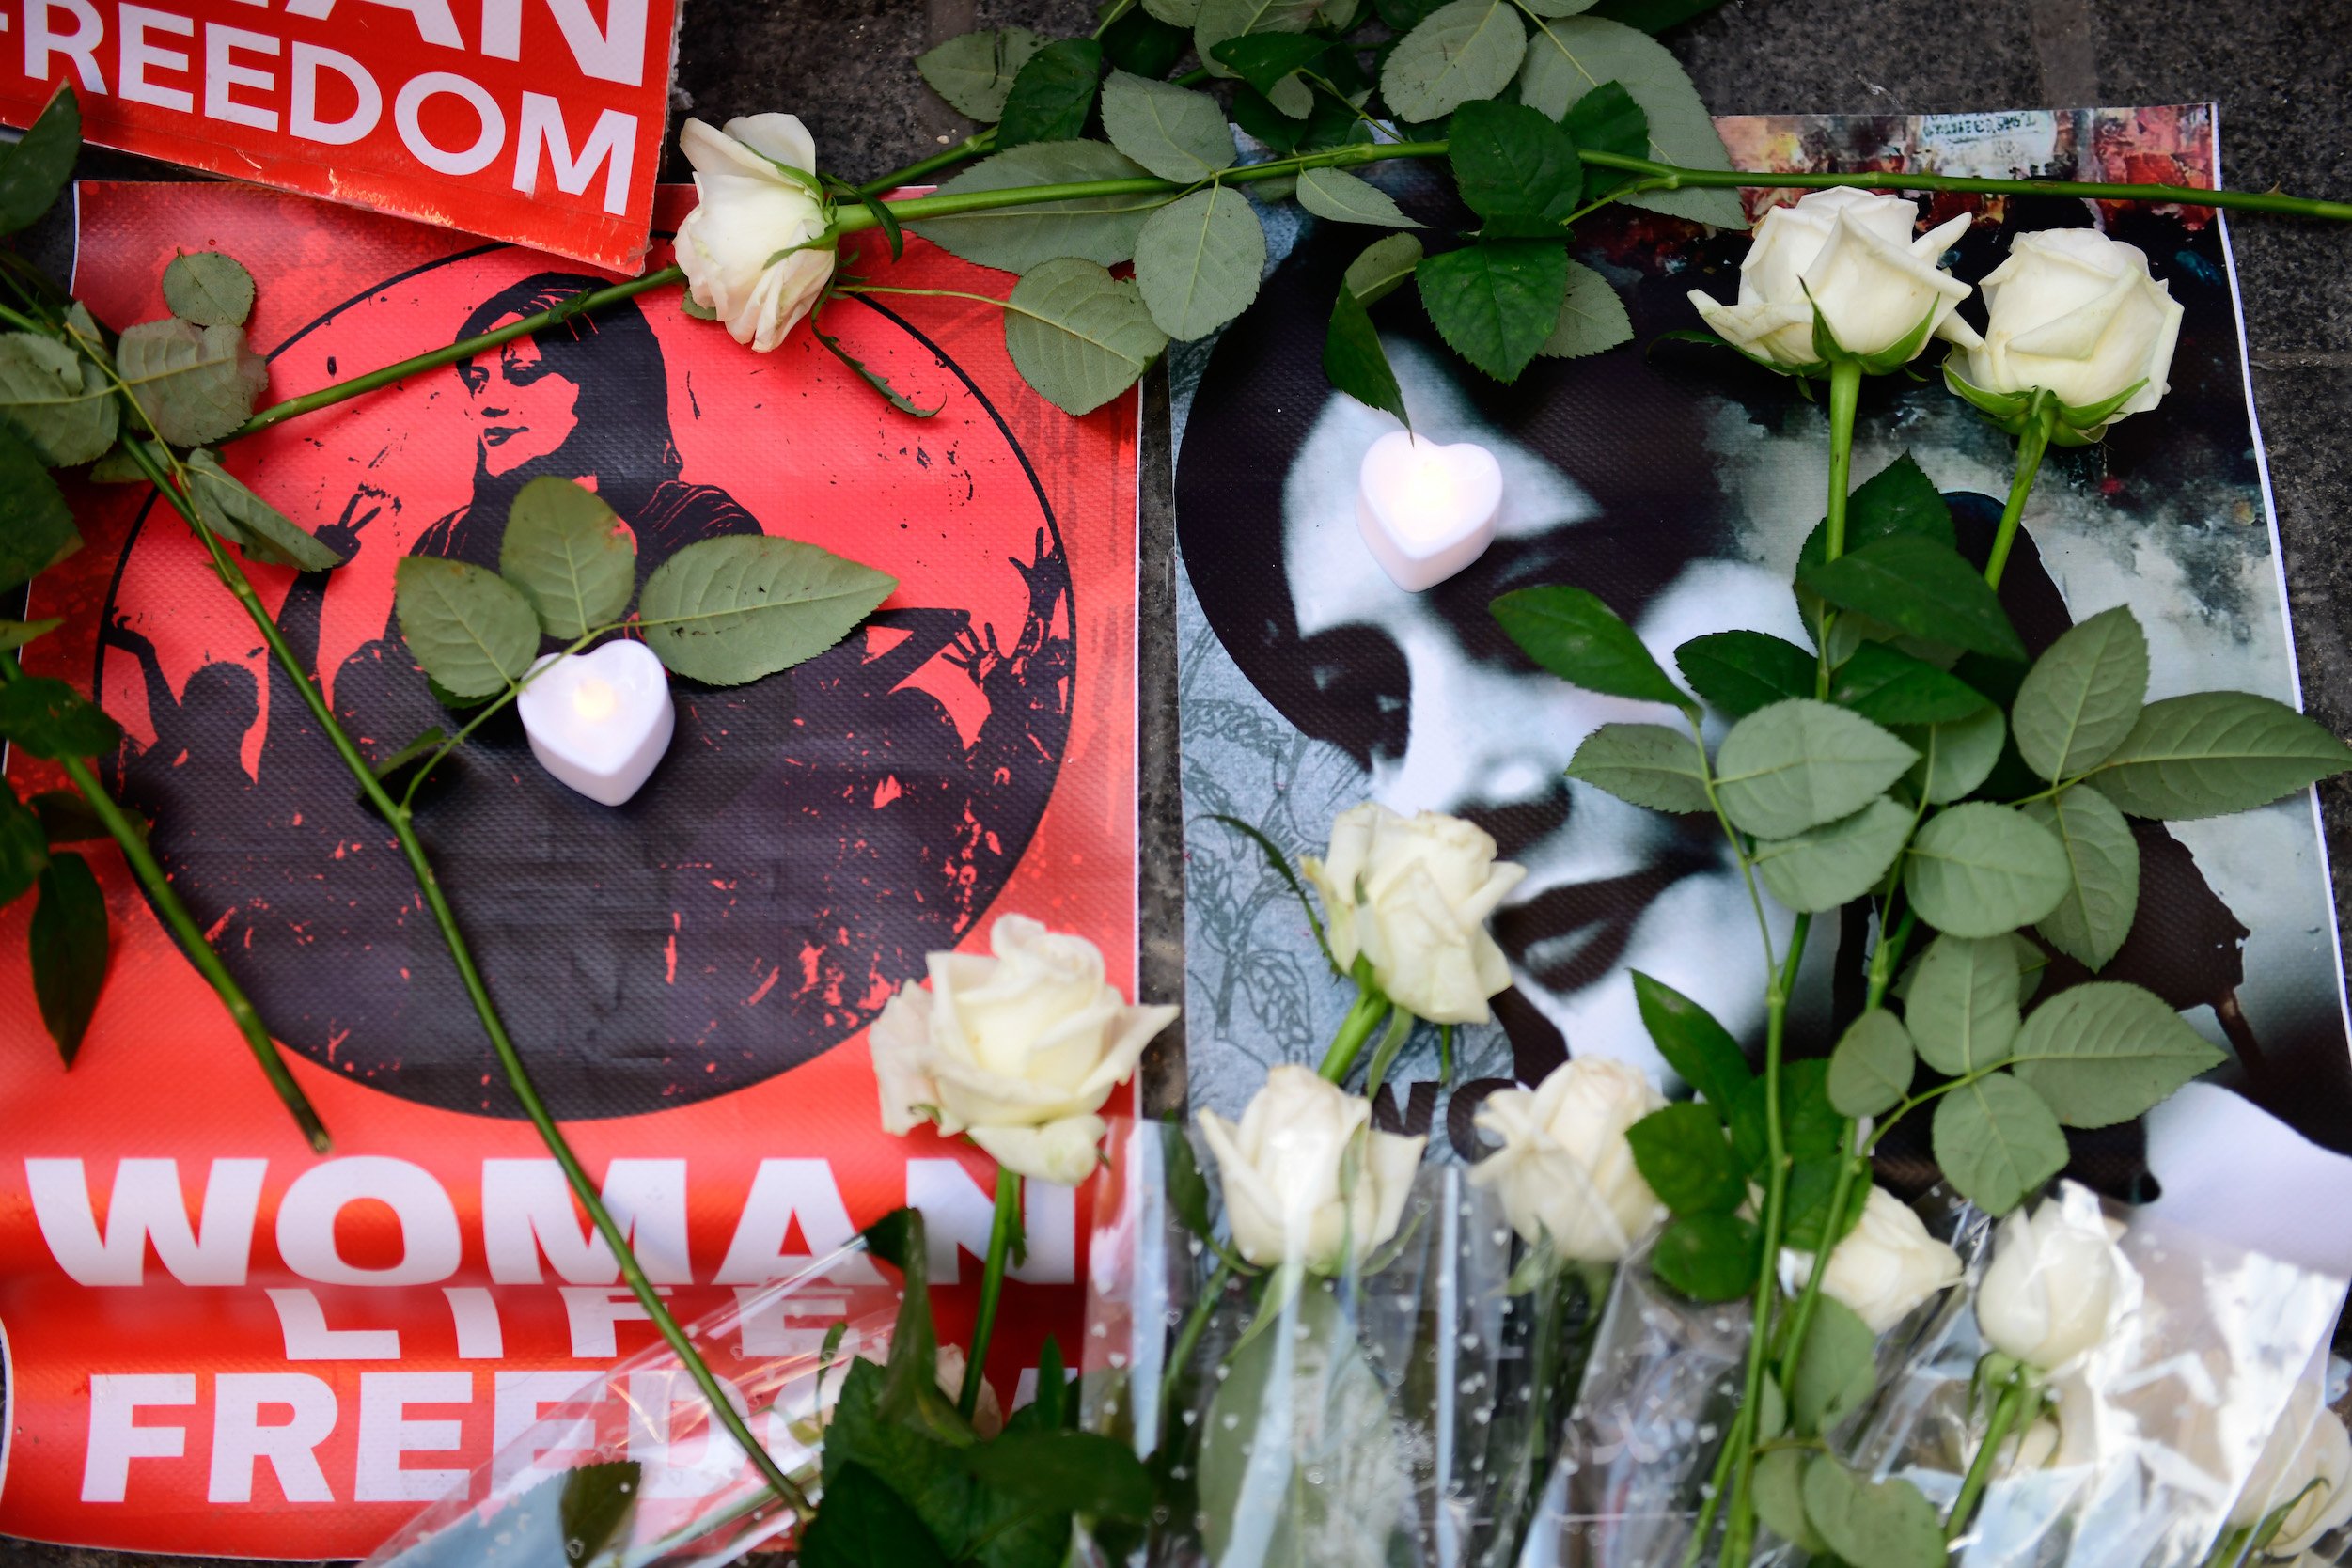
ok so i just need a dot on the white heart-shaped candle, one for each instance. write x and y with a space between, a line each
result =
599 721
1427 510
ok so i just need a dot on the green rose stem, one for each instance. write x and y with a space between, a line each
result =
2014 1394
1348 1042
510 1059
183 925
1846 392
1000 1233
2034 440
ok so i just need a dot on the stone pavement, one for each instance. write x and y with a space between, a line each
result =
2277 68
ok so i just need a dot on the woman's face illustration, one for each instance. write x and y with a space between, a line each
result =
1463 723
523 409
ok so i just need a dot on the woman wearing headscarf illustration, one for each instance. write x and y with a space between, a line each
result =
808 838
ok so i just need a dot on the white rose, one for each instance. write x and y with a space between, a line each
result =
2076 314
1564 1169
750 211
2304 1467
1854 251
1019 1050
1292 1189
1412 895
1886 1265
2052 1288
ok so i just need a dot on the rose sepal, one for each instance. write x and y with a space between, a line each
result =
1894 356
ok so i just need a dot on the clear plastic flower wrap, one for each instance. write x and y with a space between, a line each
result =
1385 1416
2156 1427
632 1471
1660 1390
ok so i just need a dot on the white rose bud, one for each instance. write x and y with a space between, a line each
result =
1564 1169
2078 315
1019 1049
1412 895
750 211
2307 1464
1886 1264
1854 251
1293 1190
2052 1288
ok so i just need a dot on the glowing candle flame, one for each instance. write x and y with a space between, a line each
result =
595 701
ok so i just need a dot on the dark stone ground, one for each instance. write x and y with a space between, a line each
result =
2277 68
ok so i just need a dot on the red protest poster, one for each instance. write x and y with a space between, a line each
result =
535 121
218 1343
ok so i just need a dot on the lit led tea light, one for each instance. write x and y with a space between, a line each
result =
1427 512
600 721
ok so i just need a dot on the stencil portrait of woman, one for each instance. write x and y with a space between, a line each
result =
807 837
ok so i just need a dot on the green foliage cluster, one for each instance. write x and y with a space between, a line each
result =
1507 91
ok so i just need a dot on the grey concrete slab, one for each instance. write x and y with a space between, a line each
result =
2278 67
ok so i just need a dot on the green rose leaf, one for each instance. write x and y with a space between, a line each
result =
1887 688
570 556
1268 60
1871 1070
1606 119
208 288
1139 42
2102 864
1919 587
1496 303
1997 1142
1384 268
198 383
1337 195
70 943
1886 1523
1799 764
1739 672
36 526
2081 697
263 532
1175 133
1805 1214
1567 59
1957 756
16 634
1900 498
1962 1008
1682 1153
1981 869
1837 1370
1101 229
1079 335
1572 634
1700 1051
2216 753
2105 1052
1199 261
1591 318
23 846
1511 162
1555 8
1708 1257
974 71
64 405
732 609
50 719
1065 1473
1176 13
66 817
471 631
1221 20
1778 1488
35 169
1460 51
1645 764
863 1523
1315 1407
1051 94
1836 863
1355 363
1811 1127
